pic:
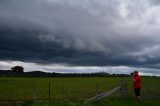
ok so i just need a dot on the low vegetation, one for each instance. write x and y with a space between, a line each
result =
73 91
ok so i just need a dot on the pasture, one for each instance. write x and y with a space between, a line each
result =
73 91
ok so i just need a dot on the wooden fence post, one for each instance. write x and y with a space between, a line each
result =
123 88
63 90
49 92
34 93
97 87
63 95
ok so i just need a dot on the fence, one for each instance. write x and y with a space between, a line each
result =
66 89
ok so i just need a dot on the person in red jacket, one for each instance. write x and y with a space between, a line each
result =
136 84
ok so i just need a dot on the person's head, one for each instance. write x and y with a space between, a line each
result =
135 72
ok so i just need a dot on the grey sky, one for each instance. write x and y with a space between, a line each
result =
81 32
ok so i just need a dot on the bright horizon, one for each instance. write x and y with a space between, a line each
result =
61 68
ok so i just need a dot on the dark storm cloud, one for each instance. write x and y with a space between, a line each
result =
80 32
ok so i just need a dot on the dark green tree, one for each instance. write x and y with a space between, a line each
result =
18 69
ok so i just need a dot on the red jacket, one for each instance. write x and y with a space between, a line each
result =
136 81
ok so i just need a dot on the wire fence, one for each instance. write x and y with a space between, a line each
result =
71 89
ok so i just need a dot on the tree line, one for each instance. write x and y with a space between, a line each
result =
18 71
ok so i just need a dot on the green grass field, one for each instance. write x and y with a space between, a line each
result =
72 91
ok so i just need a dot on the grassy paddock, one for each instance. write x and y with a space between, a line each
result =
72 91
61 88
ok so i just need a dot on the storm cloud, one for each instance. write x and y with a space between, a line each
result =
81 32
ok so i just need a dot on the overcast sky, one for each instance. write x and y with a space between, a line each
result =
80 35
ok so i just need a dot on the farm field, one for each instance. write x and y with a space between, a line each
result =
72 91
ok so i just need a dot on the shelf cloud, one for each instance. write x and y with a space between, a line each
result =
81 32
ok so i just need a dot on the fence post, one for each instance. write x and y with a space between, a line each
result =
97 87
34 93
49 92
63 90
63 93
123 88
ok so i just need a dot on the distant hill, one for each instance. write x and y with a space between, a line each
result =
10 73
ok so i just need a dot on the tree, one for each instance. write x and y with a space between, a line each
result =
17 69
